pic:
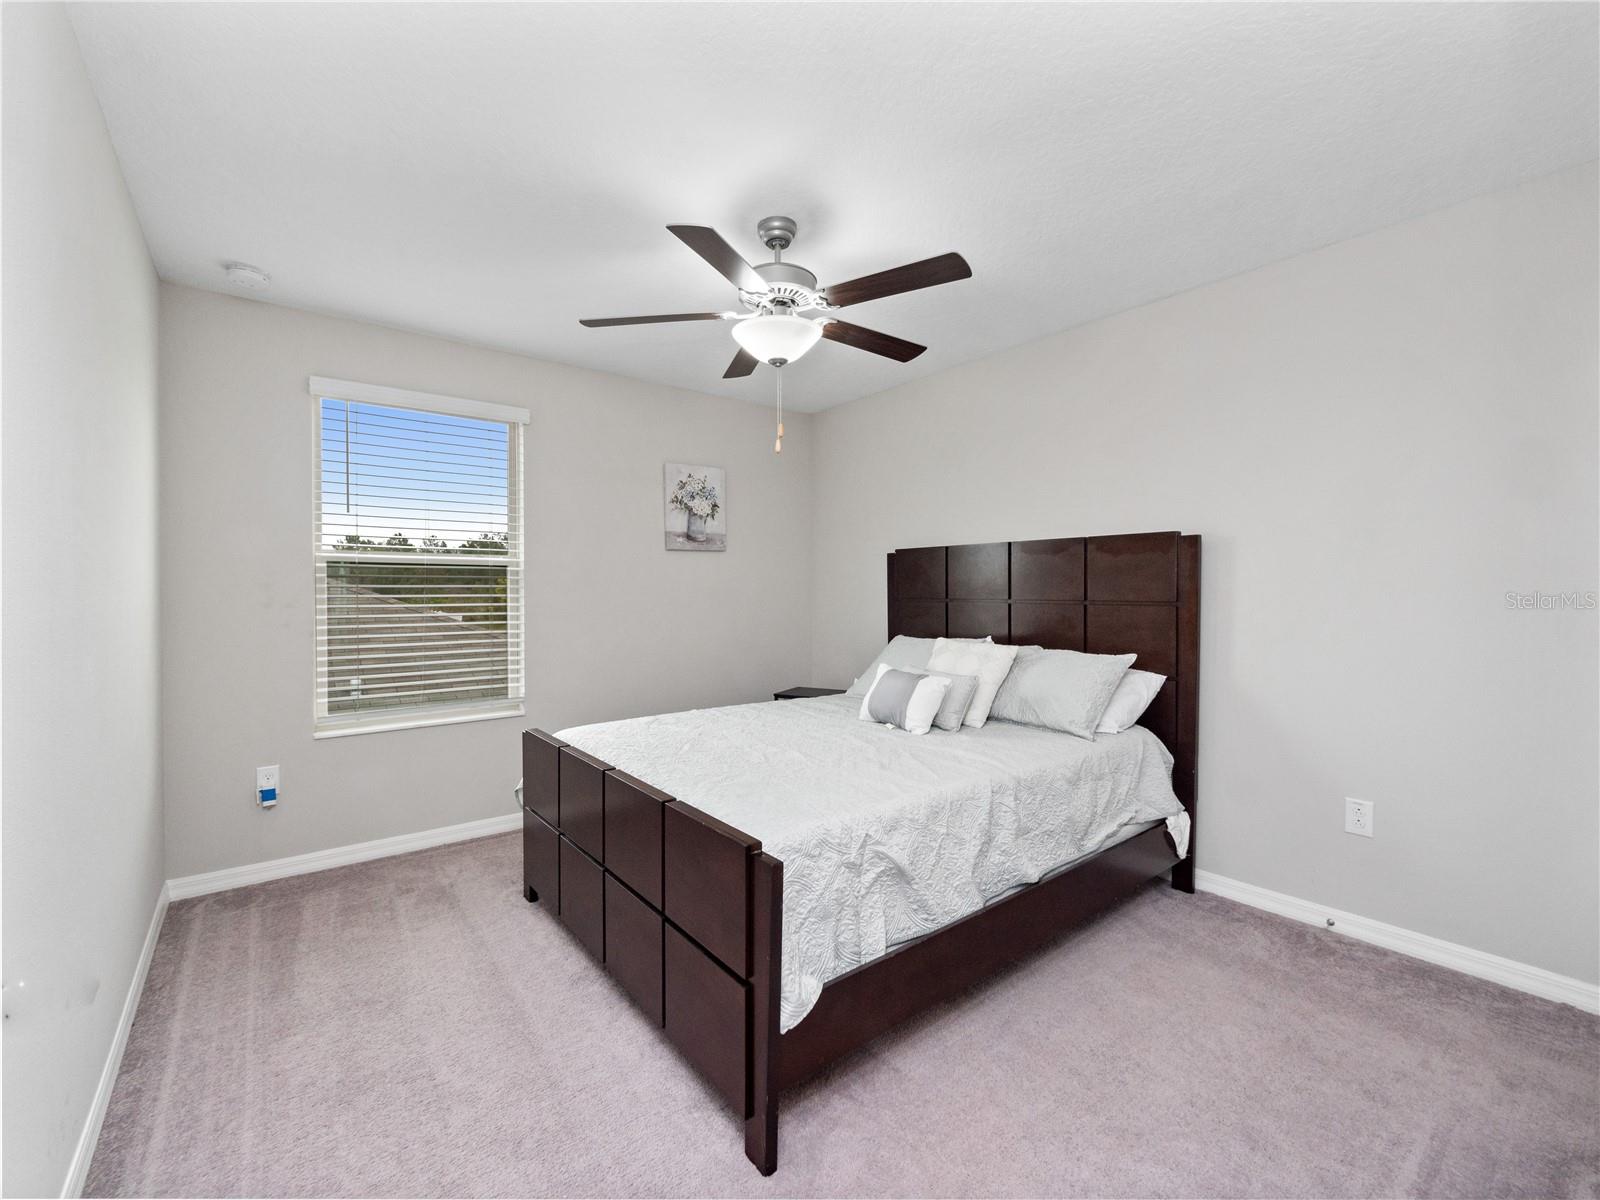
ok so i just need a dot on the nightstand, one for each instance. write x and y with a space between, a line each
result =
805 693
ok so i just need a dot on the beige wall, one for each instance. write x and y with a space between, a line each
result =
617 626
82 818
1377 442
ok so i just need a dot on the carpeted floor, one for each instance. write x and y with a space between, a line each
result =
411 1027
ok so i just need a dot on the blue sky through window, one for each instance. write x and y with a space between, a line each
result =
426 477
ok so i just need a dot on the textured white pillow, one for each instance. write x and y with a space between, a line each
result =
907 653
907 700
1128 702
988 662
1060 689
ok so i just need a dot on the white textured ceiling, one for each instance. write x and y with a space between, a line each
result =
493 173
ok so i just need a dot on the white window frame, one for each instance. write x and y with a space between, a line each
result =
420 716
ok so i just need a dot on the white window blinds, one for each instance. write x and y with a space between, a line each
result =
418 547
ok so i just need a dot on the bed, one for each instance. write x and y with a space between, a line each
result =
776 884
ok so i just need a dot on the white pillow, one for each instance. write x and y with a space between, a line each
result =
906 653
909 653
1060 689
905 699
1128 702
988 662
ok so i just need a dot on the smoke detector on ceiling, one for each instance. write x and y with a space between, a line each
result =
243 275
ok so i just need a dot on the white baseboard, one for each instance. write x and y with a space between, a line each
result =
339 856
1524 978
83 1154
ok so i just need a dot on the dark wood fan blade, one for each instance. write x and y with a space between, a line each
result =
709 245
870 339
601 322
743 363
946 268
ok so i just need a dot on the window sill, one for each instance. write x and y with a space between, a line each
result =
419 720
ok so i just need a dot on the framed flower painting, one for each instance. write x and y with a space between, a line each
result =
696 507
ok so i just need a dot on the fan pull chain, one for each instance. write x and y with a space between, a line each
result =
777 446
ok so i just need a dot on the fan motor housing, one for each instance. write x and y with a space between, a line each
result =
778 274
790 288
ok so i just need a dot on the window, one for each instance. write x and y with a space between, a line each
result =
418 546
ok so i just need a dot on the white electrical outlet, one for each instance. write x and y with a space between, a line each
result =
1358 817
267 786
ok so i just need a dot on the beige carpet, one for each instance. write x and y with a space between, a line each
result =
411 1027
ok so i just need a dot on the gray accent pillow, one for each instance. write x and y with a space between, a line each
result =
956 700
1059 689
906 700
886 704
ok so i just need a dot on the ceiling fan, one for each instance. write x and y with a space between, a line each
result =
773 294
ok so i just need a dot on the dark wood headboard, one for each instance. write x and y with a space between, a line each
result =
1133 593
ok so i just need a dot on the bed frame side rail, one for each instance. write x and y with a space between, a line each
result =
857 1007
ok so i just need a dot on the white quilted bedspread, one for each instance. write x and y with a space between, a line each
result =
886 836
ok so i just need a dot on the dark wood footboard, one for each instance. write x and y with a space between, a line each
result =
683 911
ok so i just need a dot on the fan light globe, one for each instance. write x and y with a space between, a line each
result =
781 337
